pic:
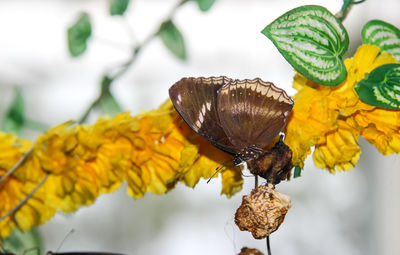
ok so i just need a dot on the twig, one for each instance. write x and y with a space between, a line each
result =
20 204
346 7
121 70
18 164
268 246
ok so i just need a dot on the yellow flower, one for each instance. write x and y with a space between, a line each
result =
381 127
17 186
332 118
151 151
310 118
338 149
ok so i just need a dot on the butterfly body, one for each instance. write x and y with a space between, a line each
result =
240 117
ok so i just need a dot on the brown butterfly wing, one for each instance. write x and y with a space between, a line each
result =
195 99
252 112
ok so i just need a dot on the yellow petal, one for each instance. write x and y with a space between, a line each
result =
340 149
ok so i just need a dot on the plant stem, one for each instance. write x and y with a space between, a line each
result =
121 70
346 7
18 164
268 246
20 204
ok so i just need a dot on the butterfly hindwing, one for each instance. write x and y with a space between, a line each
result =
252 112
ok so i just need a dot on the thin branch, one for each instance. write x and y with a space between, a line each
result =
18 164
268 246
125 67
346 7
88 110
20 204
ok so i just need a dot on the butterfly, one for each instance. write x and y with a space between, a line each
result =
240 117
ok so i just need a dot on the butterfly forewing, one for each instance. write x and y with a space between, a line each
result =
195 99
252 112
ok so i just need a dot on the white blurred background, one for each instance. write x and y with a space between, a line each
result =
351 213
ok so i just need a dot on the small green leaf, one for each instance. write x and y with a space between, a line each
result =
313 41
297 172
14 118
205 5
172 39
108 104
19 242
78 34
384 35
381 87
118 7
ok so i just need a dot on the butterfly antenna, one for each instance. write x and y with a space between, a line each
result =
63 241
217 170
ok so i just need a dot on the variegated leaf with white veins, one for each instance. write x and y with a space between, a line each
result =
313 41
384 35
381 87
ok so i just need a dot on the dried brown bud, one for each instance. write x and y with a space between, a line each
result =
275 164
262 212
249 251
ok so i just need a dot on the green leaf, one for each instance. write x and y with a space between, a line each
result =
19 242
108 104
381 87
78 35
14 118
205 5
384 35
313 41
118 7
172 39
297 172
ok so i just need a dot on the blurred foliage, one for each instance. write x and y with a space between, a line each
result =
21 243
108 104
118 7
205 5
170 35
297 172
78 34
14 118
173 39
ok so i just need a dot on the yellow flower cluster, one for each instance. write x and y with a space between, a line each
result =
151 151
155 150
333 118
